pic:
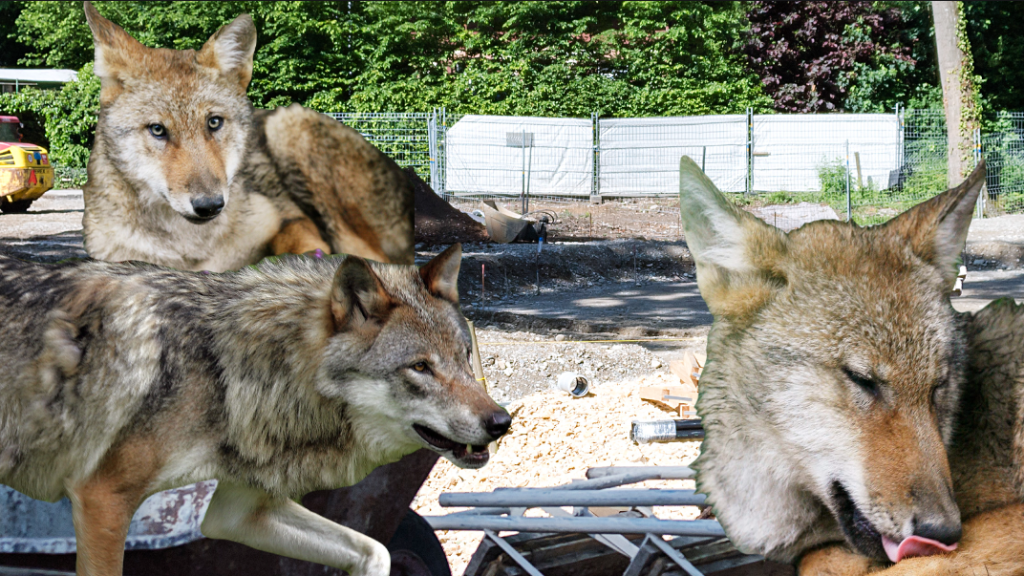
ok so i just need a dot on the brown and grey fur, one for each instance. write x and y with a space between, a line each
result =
290 180
121 380
836 360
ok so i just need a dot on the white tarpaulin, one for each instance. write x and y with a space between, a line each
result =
485 155
790 149
641 155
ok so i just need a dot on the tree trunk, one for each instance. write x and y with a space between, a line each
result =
956 70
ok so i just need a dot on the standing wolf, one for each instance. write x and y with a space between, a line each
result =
121 380
838 380
184 172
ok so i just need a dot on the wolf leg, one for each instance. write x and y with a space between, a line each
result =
836 560
102 506
298 236
281 526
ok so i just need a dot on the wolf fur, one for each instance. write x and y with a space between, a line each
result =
185 173
845 400
122 380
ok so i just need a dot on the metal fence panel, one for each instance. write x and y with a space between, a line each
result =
503 155
641 155
405 137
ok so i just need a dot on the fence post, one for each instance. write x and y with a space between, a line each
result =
432 149
442 154
849 203
750 150
595 183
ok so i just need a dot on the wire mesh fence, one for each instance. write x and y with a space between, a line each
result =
868 166
410 139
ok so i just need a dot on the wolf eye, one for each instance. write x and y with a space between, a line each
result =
421 367
215 123
158 130
867 384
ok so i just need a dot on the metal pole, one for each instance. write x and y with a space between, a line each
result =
750 150
607 525
849 205
703 158
522 194
662 472
529 176
549 497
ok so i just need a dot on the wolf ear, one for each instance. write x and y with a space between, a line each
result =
358 297
230 50
937 229
738 256
441 275
116 52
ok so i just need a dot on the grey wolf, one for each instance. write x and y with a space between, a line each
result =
185 173
853 418
122 380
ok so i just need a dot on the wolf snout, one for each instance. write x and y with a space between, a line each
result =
496 423
947 532
207 207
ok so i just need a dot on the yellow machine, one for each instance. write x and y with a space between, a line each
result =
25 169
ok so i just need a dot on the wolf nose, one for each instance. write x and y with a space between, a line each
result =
497 423
948 533
208 206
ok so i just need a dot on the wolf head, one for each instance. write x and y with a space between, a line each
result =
176 121
834 368
400 358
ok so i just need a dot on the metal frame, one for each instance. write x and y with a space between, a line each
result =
504 509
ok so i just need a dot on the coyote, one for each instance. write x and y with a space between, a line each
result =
184 173
853 418
121 380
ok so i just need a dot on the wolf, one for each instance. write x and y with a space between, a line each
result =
855 422
185 173
125 379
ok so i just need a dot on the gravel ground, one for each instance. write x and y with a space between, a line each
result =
517 364
55 212
555 439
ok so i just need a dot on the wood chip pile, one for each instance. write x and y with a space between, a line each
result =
553 440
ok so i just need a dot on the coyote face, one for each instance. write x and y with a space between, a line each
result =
834 371
178 121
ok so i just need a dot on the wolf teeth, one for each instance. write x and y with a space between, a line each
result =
469 448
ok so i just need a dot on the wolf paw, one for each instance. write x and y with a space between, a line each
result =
376 562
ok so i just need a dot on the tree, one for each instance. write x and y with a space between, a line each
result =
10 49
818 56
956 67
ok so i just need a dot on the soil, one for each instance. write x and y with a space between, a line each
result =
437 222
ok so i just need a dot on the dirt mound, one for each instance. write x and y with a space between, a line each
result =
437 222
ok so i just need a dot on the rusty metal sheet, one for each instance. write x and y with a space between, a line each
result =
14 181
165 519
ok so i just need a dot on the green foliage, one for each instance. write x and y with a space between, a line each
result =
832 178
69 115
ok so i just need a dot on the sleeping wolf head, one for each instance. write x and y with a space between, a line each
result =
400 359
179 120
835 364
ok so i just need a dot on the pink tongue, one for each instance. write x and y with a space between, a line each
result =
914 546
